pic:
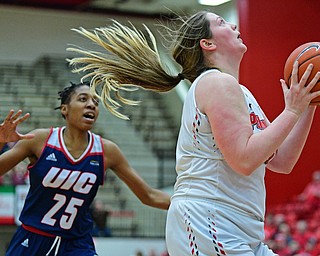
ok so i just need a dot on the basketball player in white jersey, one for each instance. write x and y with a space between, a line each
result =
225 141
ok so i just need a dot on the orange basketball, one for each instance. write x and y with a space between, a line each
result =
305 54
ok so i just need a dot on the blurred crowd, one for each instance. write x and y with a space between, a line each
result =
293 229
18 175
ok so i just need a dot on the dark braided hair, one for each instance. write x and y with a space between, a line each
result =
66 93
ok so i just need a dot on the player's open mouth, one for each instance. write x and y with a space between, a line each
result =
89 115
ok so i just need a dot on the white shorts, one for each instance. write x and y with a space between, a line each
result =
203 228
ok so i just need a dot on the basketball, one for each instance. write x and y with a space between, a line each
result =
305 54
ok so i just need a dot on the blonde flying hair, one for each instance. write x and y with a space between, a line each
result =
130 59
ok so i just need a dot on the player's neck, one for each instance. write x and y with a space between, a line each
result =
75 140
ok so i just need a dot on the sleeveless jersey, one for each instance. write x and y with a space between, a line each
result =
202 171
62 188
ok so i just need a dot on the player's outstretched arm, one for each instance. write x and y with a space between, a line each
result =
115 160
8 128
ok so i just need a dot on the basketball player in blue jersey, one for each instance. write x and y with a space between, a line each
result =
67 166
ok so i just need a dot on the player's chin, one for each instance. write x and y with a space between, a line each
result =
89 121
245 48
87 125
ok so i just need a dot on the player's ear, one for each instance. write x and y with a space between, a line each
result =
207 45
63 109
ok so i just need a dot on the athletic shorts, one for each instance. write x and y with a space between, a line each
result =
205 228
27 243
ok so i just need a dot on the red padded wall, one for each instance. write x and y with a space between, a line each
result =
272 29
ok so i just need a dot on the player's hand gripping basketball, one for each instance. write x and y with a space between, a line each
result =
298 94
8 129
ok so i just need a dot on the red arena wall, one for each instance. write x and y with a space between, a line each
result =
272 30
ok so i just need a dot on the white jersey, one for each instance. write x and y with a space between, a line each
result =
201 168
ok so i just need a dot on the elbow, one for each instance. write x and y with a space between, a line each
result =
146 200
161 201
246 171
248 166
244 168
149 202
243 164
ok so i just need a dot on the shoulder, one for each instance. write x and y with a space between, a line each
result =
112 154
217 80
217 85
41 133
107 142
109 146
217 90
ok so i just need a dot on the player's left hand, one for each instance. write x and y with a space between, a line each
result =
8 129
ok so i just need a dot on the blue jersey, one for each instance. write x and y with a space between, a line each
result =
62 188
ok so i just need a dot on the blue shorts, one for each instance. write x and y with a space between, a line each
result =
28 243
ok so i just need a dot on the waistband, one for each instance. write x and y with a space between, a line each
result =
37 231
220 204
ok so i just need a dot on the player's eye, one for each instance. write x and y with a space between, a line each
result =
221 21
82 99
